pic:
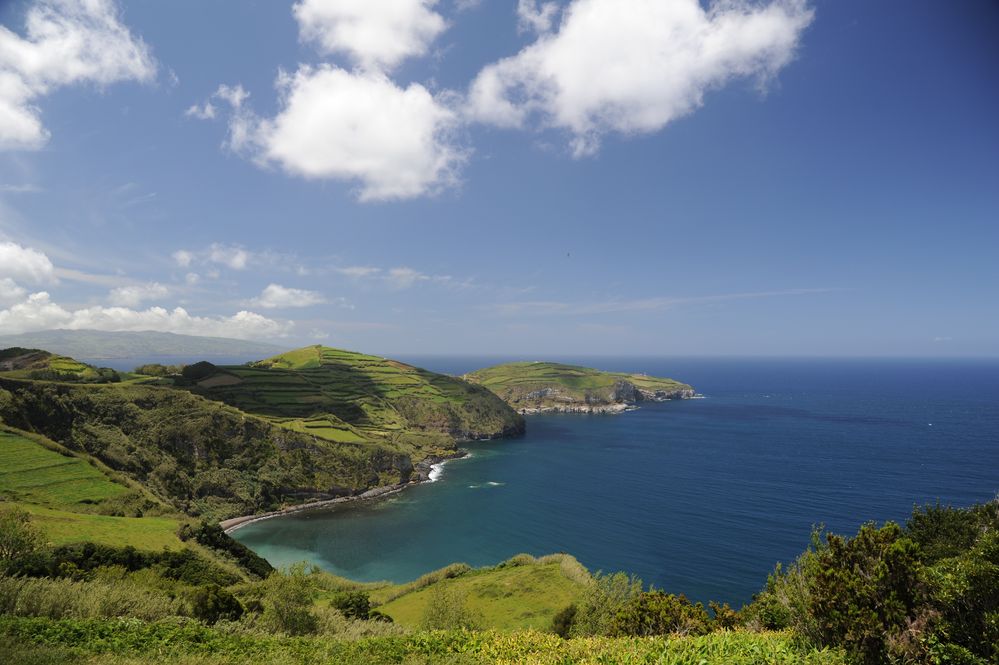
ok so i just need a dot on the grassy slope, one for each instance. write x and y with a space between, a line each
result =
513 598
514 381
61 491
349 397
201 457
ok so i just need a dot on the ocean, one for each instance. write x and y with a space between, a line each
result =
701 496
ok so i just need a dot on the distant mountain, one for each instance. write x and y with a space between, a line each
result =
96 344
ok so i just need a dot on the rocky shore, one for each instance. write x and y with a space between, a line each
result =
422 475
625 397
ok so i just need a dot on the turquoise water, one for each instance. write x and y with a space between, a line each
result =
700 496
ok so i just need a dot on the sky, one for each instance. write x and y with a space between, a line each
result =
584 177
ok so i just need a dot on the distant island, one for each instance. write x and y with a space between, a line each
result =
102 345
546 387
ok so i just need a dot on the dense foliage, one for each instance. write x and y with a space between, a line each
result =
925 593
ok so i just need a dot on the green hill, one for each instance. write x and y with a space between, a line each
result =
313 424
348 397
533 387
42 365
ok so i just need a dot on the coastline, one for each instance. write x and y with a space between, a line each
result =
429 468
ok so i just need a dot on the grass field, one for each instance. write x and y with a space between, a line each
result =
31 473
61 527
60 490
513 598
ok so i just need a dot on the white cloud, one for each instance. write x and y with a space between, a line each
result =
66 42
192 278
333 124
358 272
205 111
234 257
38 312
136 294
10 291
375 35
276 296
532 17
403 278
25 263
183 258
633 66
26 188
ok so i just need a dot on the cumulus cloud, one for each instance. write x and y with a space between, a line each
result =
532 17
396 142
236 258
275 296
24 263
10 291
183 258
375 35
136 294
65 42
38 312
633 66
204 111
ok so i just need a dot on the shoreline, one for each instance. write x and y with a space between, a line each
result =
432 464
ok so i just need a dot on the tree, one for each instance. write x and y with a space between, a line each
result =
18 536
212 603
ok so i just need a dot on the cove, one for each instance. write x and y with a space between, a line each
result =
700 496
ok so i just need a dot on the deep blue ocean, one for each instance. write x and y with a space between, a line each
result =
700 496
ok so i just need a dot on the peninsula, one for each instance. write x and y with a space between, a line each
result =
546 387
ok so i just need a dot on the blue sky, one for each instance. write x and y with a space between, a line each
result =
579 177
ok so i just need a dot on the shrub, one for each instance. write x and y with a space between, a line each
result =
867 590
603 597
211 604
447 610
659 613
563 620
352 604
18 536
287 602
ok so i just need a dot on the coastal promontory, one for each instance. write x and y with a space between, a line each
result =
547 387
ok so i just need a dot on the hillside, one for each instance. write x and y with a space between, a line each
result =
311 425
350 397
109 345
42 365
535 387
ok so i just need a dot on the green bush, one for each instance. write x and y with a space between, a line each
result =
19 538
447 610
212 603
563 620
600 602
352 604
657 613
287 602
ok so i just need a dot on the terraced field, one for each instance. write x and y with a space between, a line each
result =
351 397
34 474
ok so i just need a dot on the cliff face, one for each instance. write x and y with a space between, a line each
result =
554 388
